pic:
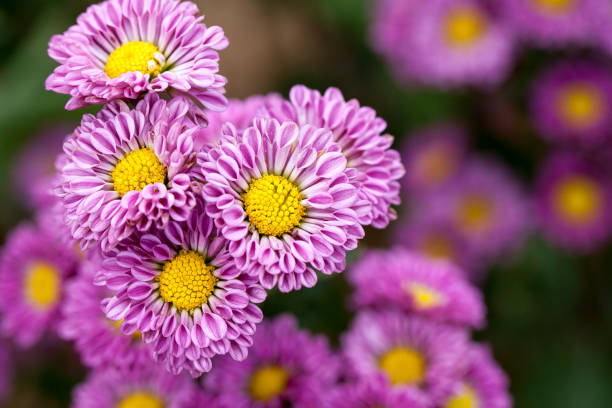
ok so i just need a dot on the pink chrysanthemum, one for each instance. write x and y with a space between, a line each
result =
98 339
574 202
122 49
484 384
372 165
408 281
415 354
128 169
33 270
142 386
282 195
286 367
181 288
373 392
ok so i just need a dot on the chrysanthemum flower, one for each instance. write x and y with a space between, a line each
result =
181 289
485 204
415 354
286 367
141 386
282 194
372 165
572 102
98 339
432 157
484 385
406 280
373 392
574 202
33 270
122 49
128 169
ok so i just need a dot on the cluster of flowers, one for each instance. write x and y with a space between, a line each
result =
452 42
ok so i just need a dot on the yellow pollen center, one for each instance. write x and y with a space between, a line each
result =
555 6
465 398
475 213
186 281
403 365
578 200
133 56
268 382
434 166
272 204
464 26
438 247
580 105
42 285
137 170
423 296
141 400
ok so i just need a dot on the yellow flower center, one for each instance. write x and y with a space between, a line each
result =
438 247
268 382
578 199
141 400
555 6
42 285
403 365
580 105
465 398
434 166
273 206
137 170
464 26
133 56
186 281
424 297
475 213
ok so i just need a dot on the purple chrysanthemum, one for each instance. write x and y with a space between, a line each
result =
484 384
572 102
282 195
128 169
98 339
286 367
373 392
122 49
415 354
574 201
414 283
141 386
372 165
33 270
181 288
485 204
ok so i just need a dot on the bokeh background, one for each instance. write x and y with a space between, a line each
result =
549 311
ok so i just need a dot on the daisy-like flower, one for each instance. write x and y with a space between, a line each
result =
574 202
372 165
572 102
485 204
181 289
98 339
33 270
415 354
142 386
128 169
122 49
281 194
433 157
411 282
286 367
484 384
451 42
373 392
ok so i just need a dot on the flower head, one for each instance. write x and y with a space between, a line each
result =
402 279
372 165
285 366
373 392
33 270
282 195
122 49
181 289
127 170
